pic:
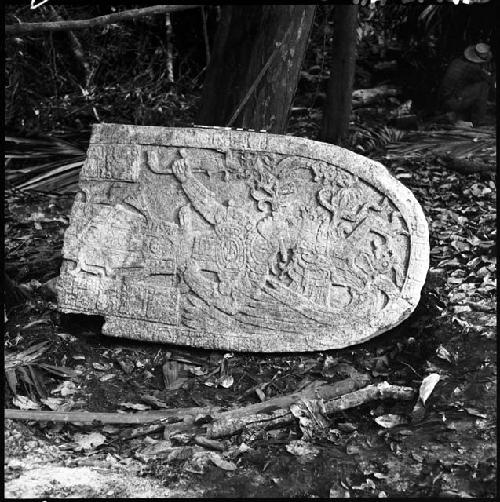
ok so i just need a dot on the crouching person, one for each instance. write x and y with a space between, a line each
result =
466 83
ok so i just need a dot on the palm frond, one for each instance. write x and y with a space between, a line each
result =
456 142
45 165
25 367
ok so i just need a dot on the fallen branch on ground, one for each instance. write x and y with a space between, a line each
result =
233 421
80 24
266 415
87 417
179 414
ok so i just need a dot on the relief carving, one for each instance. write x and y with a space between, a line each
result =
240 249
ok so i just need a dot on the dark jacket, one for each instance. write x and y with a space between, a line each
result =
462 73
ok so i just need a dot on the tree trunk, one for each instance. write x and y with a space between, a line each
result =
255 64
338 105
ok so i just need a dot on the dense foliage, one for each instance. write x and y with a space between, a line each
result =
65 81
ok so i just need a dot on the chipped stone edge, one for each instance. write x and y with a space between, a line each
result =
223 139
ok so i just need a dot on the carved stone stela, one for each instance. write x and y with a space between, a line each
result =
242 241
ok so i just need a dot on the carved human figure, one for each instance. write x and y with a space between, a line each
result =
336 255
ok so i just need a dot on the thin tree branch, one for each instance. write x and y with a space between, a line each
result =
233 421
270 414
178 414
81 24
87 417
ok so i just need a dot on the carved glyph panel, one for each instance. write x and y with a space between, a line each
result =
238 240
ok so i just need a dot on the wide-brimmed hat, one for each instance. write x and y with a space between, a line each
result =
479 53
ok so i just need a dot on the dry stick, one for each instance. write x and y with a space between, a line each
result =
229 424
383 390
178 414
264 415
109 418
271 413
81 24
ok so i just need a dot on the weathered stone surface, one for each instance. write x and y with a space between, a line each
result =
241 241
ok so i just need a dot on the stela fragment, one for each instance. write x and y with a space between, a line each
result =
241 241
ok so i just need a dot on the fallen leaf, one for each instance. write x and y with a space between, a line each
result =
126 366
178 438
107 377
197 371
339 494
209 443
102 367
300 448
476 413
110 429
36 323
24 403
427 386
58 404
135 406
260 394
67 337
227 465
27 356
443 353
390 420
67 388
154 401
367 485
243 448
227 381
60 371
459 309
89 441
347 427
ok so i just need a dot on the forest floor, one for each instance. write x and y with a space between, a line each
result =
380 449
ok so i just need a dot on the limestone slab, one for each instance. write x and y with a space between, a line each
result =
242 241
